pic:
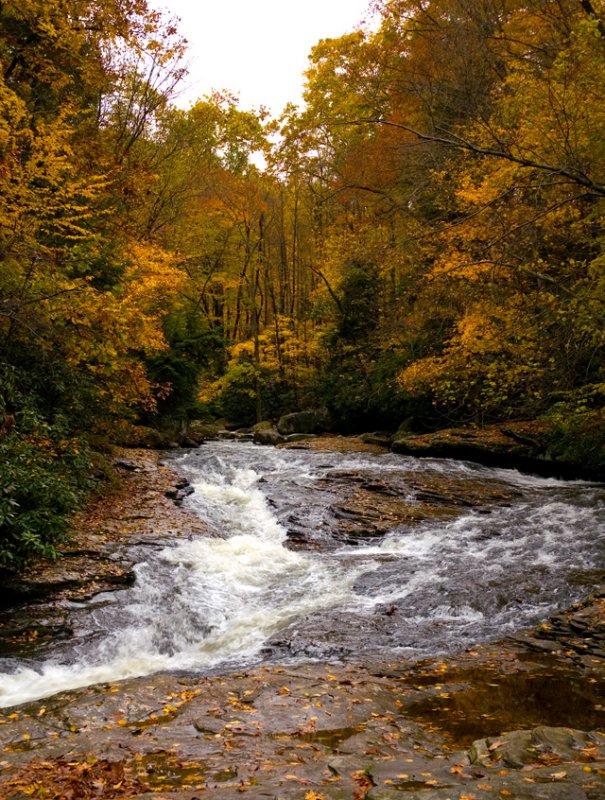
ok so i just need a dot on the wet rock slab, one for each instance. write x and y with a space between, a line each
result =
579 632
316 731
368 506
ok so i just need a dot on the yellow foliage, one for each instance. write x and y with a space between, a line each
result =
490 362
104 332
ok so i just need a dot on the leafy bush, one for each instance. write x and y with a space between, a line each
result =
46 465
43 481
578 429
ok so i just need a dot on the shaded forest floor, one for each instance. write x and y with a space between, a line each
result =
378 729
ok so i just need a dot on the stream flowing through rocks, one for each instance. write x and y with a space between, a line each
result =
325 555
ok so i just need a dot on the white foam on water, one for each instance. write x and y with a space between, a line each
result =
201 602
211 600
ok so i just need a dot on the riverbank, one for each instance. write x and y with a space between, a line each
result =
379 730
142 508
526 445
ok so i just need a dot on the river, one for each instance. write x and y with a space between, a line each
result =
285 576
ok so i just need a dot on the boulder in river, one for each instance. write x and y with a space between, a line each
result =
519 445
198 431
516 439
268 436
379 438
263 425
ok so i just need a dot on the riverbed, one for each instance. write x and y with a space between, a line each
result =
348 677
327 555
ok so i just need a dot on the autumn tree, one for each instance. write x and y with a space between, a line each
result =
78 307
466 137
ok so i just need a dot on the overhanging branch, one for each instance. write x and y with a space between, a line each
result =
459 143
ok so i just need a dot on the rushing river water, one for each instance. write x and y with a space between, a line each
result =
280 578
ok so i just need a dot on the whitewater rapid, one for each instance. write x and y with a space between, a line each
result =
216 601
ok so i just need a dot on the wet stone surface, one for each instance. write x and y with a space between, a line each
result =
363 507
522 718
379 730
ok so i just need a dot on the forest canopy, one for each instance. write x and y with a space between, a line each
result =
425 240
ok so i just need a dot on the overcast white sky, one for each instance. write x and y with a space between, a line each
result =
256 49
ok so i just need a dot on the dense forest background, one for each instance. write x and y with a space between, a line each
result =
424 240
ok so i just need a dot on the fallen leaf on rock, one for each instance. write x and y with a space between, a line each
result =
364 783
309 727
550 759
296 778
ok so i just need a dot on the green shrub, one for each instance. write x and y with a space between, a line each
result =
46 465
43 481
578 429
